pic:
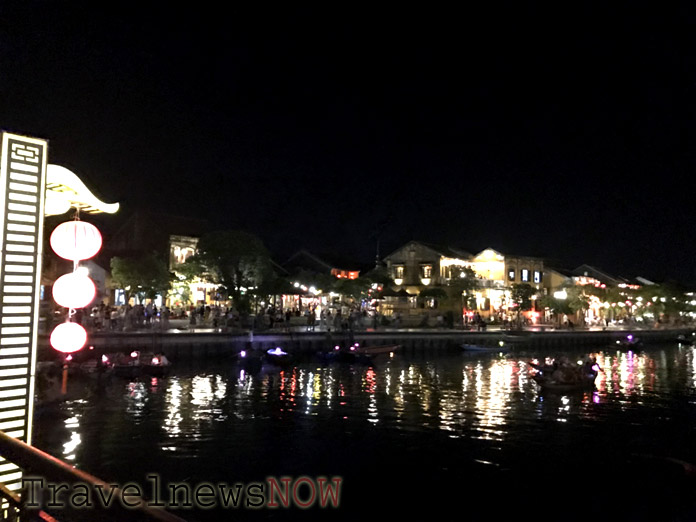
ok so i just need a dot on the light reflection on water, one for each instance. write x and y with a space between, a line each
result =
489 405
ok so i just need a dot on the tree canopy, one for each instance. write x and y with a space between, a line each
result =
234 259
142 277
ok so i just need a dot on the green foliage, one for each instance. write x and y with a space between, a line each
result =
143 277
435 292
380 275
521 294
235 260
464 282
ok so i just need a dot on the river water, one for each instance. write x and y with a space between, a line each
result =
455 436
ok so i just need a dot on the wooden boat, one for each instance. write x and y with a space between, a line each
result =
548 384
156 365
127 366
250 360
376 350
630 341
484 349
351 355
573 378
346 357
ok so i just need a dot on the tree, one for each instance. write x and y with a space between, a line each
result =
464 282
235 260
142 277
185 274
578 302
521 294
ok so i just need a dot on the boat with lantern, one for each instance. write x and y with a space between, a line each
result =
629 342
155 365
249 360
126 365
563 376
356 354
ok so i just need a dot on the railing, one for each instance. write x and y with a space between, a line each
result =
37 464
12 509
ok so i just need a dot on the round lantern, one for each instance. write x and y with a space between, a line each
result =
74 290
76 240
68 337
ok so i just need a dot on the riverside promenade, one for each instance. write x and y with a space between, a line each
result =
180 342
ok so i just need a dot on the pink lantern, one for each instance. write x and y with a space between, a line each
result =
76 240
74 290
68 337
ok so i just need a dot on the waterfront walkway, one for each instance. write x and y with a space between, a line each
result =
180 341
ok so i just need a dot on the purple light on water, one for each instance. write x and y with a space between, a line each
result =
242 353
630 337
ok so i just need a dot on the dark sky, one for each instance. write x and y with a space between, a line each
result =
538 129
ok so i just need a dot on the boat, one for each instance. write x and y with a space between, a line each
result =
351 355
566 377
127 366
377 350
630 341
155 365
485 349
249 360
686 338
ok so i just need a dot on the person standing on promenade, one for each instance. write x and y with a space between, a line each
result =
165 318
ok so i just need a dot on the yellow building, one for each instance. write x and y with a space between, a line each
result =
417 266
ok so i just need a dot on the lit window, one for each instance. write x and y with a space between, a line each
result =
537 276
426 271
525 275
511 275
398 272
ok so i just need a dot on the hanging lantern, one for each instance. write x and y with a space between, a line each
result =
68 337
76 240
74 290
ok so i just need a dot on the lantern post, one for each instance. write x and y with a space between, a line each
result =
75 241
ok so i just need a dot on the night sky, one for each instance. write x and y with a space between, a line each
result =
555 130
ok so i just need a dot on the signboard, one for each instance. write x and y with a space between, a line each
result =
22 193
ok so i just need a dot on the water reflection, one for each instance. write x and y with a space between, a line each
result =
484 398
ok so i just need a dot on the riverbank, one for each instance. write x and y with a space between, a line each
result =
198 344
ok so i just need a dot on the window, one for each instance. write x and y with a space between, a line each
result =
398 272
537 276
426 271
511 274
525 275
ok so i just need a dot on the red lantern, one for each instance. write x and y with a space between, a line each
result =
68 337
74 290
76 240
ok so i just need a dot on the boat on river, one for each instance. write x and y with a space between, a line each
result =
136 364
155 365
348 355
566 377
377 350
629 342
356 354
485 349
